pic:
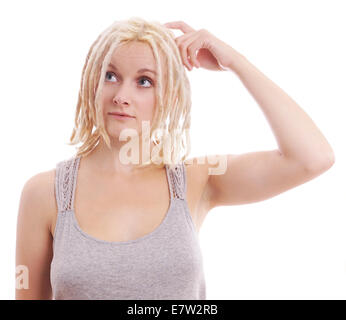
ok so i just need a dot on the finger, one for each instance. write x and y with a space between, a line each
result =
182 43
183 54
184 27
188 50
192 50
179 40
182 46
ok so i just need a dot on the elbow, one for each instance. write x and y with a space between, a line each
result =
323 164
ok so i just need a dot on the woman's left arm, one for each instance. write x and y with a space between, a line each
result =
303 152
297 135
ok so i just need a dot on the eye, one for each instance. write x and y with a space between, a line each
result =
141 78
147 79
111 73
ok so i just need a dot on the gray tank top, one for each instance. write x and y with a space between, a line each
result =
164 264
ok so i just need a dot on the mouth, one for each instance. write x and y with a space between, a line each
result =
120 115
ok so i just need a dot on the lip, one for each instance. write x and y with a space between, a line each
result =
119 115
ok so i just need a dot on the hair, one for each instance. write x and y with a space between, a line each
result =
171 121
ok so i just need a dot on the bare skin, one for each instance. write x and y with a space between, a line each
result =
122 209
116 201
106 203
113 201
104 209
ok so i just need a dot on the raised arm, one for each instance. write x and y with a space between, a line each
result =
303 152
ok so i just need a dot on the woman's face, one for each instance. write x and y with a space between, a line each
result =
128 89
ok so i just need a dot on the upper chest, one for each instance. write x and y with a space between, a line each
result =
119 209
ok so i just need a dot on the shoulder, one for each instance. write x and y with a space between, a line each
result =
197 175
38 195
40 184
197 168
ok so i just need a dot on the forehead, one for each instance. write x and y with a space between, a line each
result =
134 52
135 55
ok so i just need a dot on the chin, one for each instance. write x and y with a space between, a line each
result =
114 133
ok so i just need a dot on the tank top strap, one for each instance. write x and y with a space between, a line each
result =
65 183
177 180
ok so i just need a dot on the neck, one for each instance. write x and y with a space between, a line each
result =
113 161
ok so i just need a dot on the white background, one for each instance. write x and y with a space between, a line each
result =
291 246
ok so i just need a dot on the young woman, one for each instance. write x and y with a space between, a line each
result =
120 219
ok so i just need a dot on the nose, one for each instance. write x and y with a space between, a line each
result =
119 100
121 95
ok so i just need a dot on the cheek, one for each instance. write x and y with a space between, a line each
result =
105 99
106 94
148 106
153 108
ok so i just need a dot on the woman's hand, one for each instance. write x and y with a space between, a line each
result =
212 53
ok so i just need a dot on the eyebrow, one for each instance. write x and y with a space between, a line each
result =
139 71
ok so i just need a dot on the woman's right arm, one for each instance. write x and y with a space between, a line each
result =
34 238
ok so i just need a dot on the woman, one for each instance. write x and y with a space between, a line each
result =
120 220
